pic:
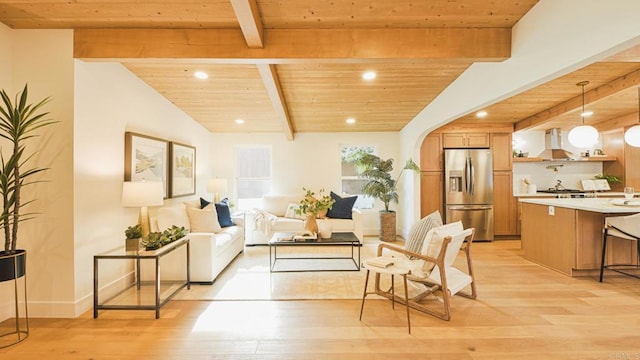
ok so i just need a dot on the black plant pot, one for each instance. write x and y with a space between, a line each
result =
12 266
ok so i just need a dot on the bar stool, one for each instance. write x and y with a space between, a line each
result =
623 227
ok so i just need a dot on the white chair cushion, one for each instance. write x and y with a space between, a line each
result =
434 238
172 215
420 229
203 220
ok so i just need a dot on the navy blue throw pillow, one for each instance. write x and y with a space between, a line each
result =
224 213
204 203
342 207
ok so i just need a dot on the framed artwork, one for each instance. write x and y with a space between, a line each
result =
146 158
183 170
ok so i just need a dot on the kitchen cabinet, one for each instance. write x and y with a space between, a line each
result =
465 140
501 149
504 204
431 153
626 165
431 192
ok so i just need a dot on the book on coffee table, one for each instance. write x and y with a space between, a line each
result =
380 261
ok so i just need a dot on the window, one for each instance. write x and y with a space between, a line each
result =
253 171
352 184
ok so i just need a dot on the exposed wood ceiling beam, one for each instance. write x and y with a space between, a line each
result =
603 91
295 45
272 84
250 23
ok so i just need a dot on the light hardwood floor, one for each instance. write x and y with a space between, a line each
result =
524 311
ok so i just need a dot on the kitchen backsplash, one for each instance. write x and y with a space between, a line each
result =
543 175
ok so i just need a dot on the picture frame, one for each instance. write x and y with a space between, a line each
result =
182 179
146 158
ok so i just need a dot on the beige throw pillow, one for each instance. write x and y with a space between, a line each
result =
204 220
172 215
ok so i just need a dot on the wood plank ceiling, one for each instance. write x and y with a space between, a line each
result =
296 66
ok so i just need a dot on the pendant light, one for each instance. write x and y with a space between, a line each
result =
632 135
583 136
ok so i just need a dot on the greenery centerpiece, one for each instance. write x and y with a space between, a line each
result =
19 122
156 240
382 186
314 206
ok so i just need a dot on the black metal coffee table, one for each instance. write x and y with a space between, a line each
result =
337 239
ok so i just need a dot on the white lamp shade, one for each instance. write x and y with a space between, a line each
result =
142 193
583 136
217 186
632 136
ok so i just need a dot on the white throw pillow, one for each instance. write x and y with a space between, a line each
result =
172 215
204 220
291 211
420 229
433 241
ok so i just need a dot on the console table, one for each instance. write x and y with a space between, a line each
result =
154 255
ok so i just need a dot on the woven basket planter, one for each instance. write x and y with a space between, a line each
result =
387 225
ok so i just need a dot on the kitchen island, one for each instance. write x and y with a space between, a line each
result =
566 234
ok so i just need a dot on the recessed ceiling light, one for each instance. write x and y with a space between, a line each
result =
481 114
239 121
587 113
350 121
201 75
369 75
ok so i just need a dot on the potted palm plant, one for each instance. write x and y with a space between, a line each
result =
19 122
381 186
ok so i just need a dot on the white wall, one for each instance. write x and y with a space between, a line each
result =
43 59
312 161
81 214
109 101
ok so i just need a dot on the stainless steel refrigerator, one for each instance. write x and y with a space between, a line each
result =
469 189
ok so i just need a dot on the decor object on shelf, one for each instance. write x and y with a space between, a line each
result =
133 235
142 194
216 187
146 159
182 179
632 135
382 186
19 121
583 136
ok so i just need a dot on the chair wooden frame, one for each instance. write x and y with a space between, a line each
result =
414 302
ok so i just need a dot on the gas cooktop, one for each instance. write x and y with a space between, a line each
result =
560 191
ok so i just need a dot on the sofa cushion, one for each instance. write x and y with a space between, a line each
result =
277 204
420 229
172 215
342 207
286 224
203 220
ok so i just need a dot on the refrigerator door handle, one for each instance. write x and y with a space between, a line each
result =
472 171
469 174
475 208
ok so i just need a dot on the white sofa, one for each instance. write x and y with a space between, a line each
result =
211 252
270 218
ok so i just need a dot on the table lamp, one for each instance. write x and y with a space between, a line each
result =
142 194
217 186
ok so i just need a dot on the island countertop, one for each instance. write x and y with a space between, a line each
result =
599 205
